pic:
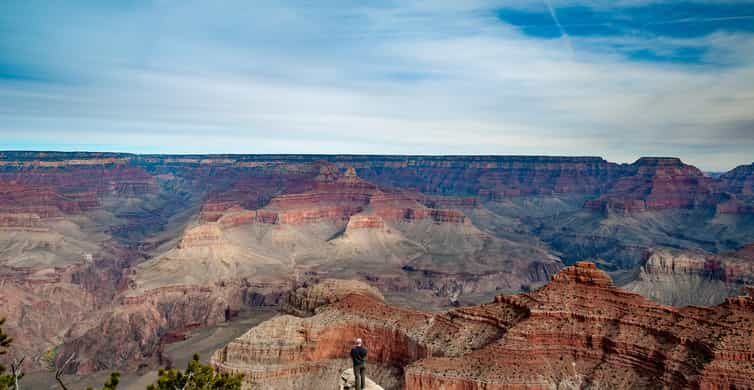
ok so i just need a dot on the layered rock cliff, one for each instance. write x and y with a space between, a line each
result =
655 183
577 331
739 181
125 242
682 278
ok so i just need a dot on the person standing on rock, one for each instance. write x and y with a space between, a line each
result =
359 357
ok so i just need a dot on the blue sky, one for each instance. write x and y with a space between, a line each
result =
619 79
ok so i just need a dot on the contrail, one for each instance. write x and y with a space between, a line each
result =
562 29
702 20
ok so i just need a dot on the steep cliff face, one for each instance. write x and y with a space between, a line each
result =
304 301
739 181
35 306
132 334
578 331
490 177
592 334
294 352
683 278
656 183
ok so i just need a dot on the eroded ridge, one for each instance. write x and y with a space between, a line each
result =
579 330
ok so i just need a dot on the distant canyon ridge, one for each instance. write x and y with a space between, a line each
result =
112 256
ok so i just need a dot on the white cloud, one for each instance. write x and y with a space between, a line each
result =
422 77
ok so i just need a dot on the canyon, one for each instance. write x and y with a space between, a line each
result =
113 256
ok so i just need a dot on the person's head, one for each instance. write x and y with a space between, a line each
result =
358 342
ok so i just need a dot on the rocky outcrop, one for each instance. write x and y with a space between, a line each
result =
133 333
657 183
202 235
38 306
361 221
348 382
293 352
304 301
683 278
739 181
579 330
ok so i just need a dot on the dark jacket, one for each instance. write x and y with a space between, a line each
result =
358 355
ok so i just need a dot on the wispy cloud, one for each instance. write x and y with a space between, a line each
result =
409 77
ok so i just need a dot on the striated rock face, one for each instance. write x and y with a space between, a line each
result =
111 246
602 337
657 183
304 301
365 222
739 181
36 305
578 331
293 352
67 189
490 177
202 235
583 272
137 329
683 278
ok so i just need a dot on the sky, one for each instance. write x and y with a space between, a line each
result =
618 79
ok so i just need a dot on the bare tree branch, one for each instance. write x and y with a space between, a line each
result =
59 372
15 369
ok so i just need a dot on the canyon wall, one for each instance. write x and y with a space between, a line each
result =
109 246
577 331
682 278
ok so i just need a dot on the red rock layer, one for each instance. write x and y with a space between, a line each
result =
252 181
577 331
22 221
365 222
739 181
202 235
41 303
334 197
489 177
52 192
733 205
658 183
304 301
582 330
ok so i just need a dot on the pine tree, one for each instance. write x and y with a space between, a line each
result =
197 376
6 380
111 383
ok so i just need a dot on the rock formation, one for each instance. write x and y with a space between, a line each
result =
683 278
304 301
739 181
146 246
658 183
577 331
347 382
